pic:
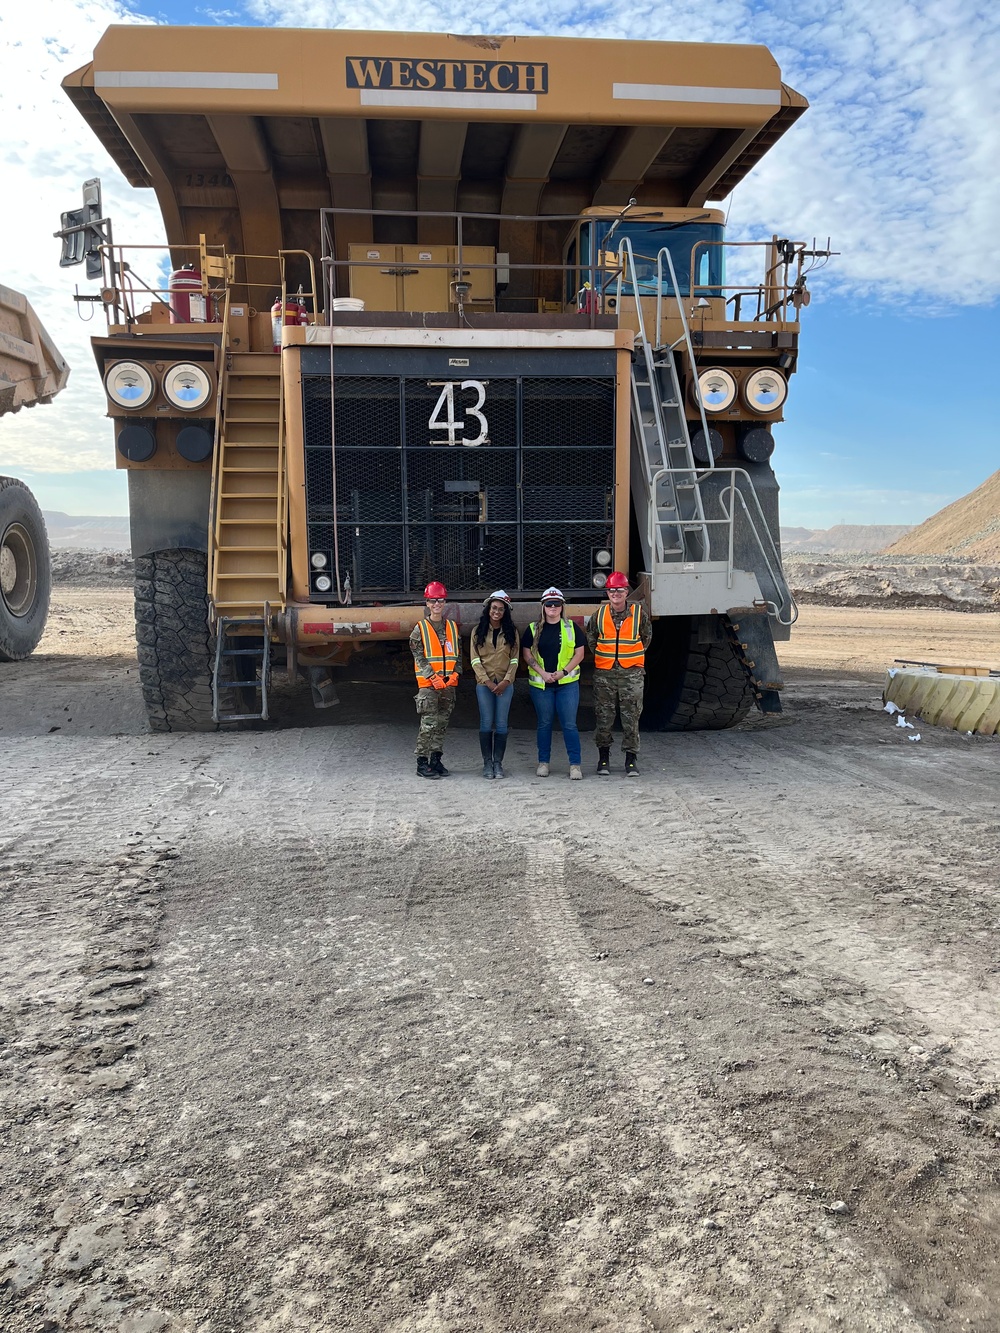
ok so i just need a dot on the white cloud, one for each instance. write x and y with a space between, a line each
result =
894 159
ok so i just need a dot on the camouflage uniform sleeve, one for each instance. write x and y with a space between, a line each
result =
591 628
417 649
645 627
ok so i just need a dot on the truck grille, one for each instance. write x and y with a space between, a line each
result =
524 508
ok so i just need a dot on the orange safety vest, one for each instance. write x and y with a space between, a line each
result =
618 643
442 657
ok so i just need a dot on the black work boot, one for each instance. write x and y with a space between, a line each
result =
424 769
631 764
499 749
437 767
604 761
486 746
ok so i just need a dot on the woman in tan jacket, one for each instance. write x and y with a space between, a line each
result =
493 648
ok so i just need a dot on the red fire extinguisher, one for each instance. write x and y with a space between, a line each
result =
295 313
187 303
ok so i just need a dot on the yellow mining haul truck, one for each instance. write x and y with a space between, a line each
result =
31 371
448 308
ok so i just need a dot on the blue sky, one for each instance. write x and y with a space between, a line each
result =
889 416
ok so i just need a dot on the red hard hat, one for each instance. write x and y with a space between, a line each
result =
435 589
617 580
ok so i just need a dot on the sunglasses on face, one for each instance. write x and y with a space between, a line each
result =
551 606
438 601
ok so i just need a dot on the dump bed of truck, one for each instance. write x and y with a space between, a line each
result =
32 369
244 133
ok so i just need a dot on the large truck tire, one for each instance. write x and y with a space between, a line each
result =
176 645
692 685
25 571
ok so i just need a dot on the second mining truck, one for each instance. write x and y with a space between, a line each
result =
31 371
441 307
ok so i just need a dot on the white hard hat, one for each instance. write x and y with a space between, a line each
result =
550 595
498 596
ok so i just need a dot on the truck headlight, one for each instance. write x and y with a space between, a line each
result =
765 391
187 386
323 582
318 560
717 389
129 384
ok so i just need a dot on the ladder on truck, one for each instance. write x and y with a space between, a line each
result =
247 546
242 664
667 474
666 482
248 541
667 467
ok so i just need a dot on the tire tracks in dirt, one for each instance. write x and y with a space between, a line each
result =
764 1212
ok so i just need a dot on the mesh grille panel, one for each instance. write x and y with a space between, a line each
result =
571 413
522 509
560 555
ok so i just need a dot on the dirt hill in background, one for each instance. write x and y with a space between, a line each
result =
842 537
969 528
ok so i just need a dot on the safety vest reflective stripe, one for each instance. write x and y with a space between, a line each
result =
443 657
618 643
567 648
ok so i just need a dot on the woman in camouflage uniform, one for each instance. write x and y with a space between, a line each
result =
437 660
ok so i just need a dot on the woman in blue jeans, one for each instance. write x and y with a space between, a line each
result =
493 648
553 651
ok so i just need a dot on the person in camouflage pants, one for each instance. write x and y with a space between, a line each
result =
437 661
618 636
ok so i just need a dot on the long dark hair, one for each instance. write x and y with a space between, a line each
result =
506 625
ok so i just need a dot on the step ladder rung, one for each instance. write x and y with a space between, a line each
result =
247 495
267 548
268 574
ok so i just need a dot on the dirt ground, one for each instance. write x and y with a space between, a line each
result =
292 1041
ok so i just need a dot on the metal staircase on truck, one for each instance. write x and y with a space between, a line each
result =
666 475
667 479
249 542
242 667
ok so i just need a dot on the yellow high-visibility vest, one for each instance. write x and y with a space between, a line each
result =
567 647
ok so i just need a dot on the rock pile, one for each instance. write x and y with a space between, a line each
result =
879 581
80 567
